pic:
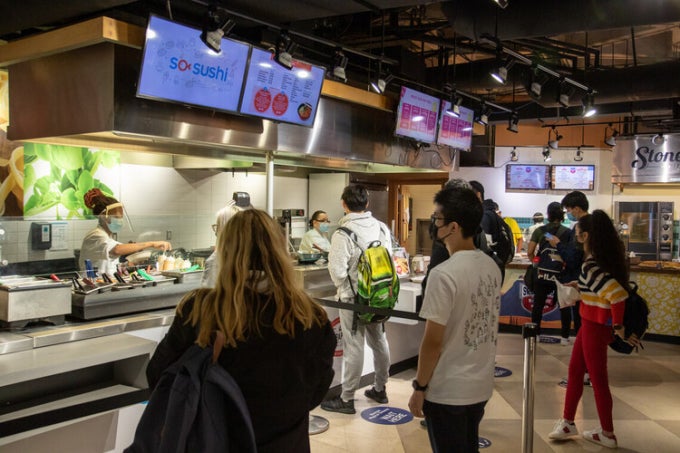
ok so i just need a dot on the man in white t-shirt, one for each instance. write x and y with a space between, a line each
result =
461 305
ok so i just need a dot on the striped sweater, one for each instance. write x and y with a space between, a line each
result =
603 298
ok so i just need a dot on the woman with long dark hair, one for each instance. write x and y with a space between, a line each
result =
603 283
279 342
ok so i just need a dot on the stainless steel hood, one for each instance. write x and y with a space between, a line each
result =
86 97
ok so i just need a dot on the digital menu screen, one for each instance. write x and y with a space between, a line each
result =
417 115
527 177
573 177
177 66
455 132
276 93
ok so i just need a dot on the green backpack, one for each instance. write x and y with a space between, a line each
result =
377 279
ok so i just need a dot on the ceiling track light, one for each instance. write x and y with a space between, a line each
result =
555 142
483 116
589 104
578 157
502 3
213 30
513 122
564 92
546 154
339 65
454 110
500 73
610 138
380 85
284 50
536 83
514 157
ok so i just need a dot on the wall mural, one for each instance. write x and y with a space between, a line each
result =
11 160
57 177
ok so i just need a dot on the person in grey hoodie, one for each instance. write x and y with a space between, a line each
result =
343 258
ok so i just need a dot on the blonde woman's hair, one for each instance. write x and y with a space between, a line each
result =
253 258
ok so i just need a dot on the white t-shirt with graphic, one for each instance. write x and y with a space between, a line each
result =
463 294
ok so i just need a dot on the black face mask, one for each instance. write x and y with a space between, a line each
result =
433 231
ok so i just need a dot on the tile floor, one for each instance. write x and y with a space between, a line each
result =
645 387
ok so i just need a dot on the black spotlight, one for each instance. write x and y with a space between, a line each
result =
339 65
214 30
513 122
284 50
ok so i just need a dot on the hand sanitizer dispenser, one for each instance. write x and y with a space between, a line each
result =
41 235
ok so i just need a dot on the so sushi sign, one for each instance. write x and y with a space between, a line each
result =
647 158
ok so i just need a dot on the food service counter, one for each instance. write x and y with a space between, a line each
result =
82 384
658 286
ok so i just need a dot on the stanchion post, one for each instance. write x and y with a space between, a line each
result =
529 333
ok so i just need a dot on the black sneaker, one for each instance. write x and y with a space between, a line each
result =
338 405
378 397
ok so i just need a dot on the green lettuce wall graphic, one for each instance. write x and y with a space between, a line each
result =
56 177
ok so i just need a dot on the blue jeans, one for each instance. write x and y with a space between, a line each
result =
453 429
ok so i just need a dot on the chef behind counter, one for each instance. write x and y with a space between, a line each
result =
98 245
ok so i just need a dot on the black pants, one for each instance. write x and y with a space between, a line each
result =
542 290
453 429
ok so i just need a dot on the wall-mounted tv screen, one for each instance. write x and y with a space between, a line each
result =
527 177
573 177
177 66
276 93
455 132
417 116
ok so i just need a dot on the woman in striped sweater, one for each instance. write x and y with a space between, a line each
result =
603 283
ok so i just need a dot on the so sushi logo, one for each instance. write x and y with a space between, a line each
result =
199 69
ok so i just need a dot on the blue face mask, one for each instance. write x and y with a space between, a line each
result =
571 217
324 227
116 225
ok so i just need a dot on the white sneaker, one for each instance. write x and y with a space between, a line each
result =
565 341
595 436
563 430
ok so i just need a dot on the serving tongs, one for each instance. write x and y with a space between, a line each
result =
88 286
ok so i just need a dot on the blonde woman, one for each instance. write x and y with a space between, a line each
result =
279 342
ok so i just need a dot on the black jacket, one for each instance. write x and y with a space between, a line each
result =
281 378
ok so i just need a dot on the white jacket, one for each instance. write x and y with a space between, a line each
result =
344 254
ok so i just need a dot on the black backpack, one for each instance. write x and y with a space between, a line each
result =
550 262
196 407
635 320
502 238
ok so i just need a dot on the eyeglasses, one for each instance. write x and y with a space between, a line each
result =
323 221
214 228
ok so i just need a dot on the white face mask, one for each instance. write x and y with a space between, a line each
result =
323 227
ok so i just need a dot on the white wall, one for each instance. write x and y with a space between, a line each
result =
159 199
524 204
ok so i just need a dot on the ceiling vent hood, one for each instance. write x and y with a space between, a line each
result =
86 97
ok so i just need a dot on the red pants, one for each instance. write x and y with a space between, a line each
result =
590 353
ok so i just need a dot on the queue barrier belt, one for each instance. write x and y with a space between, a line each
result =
366 309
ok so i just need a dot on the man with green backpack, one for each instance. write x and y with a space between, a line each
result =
362 270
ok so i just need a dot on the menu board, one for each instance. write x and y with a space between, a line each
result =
455 132
274 92
527 177
178 66
573 177
417 115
